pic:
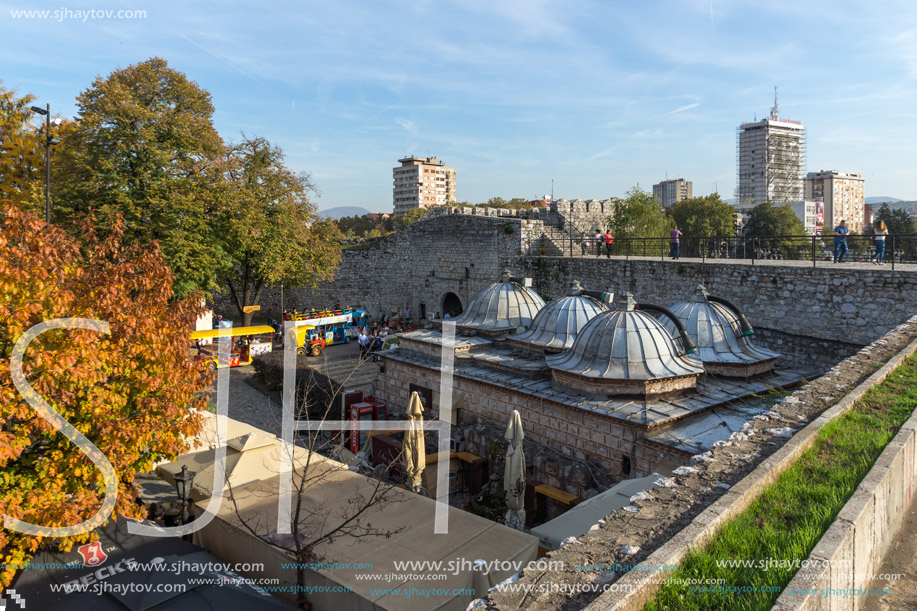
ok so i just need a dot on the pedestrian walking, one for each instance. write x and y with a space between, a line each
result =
599 240
674 242
583 243
840 241
609 240
881 234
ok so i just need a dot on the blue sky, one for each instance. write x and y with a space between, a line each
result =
600 96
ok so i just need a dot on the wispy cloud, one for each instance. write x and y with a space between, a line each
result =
407 124
222 58
682 109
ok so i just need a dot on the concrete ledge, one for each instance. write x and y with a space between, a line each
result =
858 539
643 586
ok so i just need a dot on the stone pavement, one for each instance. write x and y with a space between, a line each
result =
253 404
826 264
900 559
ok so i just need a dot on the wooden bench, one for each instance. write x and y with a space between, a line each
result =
467 457
539 513
557 494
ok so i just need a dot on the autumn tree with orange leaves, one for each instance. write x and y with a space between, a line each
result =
131 392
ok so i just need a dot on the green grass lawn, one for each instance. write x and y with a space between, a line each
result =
786 522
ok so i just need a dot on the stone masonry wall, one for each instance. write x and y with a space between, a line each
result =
442 253
850 306
580 437
830 311
803 352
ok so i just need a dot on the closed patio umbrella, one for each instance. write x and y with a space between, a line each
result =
415 453
514 474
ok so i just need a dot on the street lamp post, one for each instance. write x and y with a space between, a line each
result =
49 141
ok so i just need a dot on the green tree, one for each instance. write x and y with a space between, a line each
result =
366 226
704 217
767 220
899 223
21 151
519 203
897 220
270 228
639 216
145 148
410 216
516 203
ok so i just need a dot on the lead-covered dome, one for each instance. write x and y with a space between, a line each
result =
558 323
722 344
624 351
503 307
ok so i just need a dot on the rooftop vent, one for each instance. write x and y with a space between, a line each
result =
558 323
721 333
624 351
505 306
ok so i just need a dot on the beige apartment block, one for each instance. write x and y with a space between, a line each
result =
670 192
843 195
422 182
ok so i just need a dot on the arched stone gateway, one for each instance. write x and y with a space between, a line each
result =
452 305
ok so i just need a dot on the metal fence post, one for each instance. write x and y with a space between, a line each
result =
894 251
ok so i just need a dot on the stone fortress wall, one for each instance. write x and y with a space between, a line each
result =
813 316
461 251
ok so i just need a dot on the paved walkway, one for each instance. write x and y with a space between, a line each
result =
865 265
901 559
257 406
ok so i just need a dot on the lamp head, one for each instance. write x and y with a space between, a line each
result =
183 483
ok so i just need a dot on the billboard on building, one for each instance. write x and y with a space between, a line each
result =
819 216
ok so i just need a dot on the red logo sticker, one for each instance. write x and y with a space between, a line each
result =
92 554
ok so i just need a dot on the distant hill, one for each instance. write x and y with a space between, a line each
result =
910 207
342 211
882 198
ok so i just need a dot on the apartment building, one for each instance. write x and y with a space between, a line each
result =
843 195
673 191
807 211
421 182
770 161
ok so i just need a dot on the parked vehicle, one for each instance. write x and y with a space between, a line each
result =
247 342
309 341
333 326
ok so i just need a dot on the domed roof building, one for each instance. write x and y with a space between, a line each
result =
504 307
721 334
555 327
625 351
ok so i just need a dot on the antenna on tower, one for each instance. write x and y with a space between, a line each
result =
774 109
552 189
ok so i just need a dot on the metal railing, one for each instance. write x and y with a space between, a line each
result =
819 248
